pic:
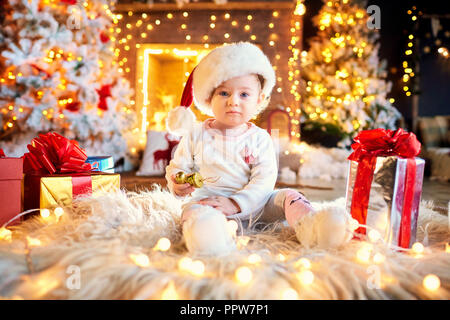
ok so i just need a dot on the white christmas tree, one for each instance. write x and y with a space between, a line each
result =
60 74
345 86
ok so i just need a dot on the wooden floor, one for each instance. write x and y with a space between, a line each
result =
314 189
131 182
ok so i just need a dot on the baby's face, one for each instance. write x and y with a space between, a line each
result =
236 101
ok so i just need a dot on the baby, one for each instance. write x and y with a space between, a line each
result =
233 84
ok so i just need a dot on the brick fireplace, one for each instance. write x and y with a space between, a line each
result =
158 46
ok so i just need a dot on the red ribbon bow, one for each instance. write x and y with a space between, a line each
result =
53 153
384 143
369 145
103 93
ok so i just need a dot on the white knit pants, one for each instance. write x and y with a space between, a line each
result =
272 211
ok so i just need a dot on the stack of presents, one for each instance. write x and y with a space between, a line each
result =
384 183
54 172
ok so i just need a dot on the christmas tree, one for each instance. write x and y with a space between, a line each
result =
344 80
58 72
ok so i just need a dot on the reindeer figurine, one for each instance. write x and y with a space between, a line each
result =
164 155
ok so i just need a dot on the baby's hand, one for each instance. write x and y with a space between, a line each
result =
182 189
226 205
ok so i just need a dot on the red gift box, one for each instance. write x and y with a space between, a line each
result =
56 173
385 172
11 173
51 190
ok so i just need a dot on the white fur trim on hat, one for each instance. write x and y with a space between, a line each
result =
180 121
227 62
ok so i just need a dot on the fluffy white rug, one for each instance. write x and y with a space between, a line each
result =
104 248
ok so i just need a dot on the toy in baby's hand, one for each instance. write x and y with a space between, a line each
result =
194 179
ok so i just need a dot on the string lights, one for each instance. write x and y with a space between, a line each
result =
431 282
408 62
163 244
294 66
140 259
170 292
214 33
301 268
411 50
289 294
243 275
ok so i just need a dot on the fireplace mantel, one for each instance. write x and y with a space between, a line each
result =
255 5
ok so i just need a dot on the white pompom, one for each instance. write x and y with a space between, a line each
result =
180 121
327 228
206 232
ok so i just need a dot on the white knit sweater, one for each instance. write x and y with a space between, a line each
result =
245 164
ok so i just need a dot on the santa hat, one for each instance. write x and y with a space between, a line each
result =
221 64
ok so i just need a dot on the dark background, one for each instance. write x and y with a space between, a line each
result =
396 25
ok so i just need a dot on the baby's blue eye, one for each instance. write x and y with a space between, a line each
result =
244 94
223 93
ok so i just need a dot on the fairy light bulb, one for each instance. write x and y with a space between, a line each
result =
306 277
185 264
243 275
45 213
197 268
303 263
431 282
140 259
354 224
281 257
254 258
300 9
374 236
378 258
163 244
5 234
242 241
289 294
447 247
363 254
33 242
170 292
59 212
418 248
